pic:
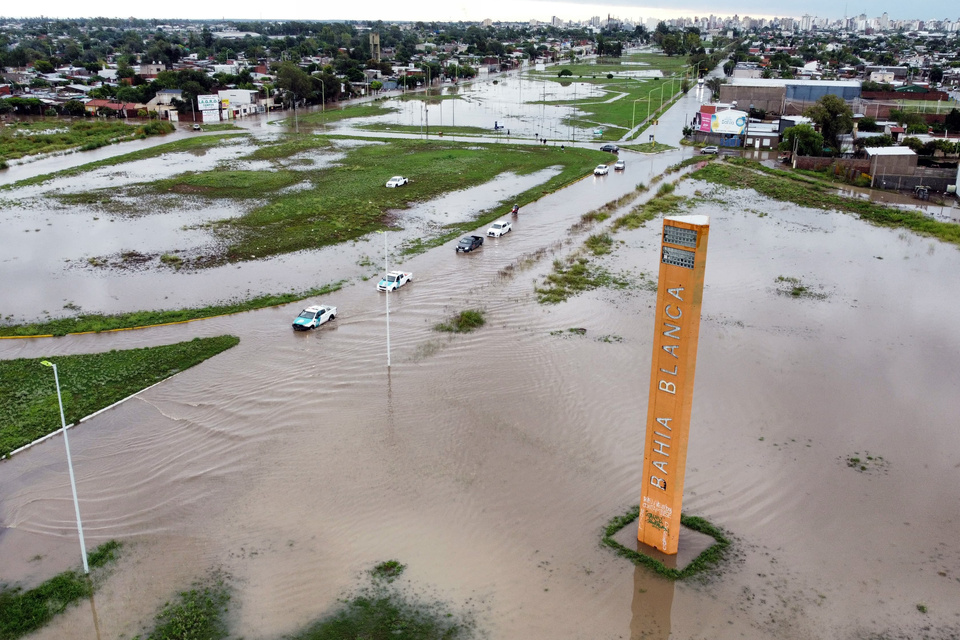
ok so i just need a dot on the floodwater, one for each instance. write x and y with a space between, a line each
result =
489 462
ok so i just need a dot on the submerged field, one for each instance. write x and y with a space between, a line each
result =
489 462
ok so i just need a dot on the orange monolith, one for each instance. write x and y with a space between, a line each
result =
683 254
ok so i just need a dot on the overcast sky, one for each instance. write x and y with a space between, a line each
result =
508 10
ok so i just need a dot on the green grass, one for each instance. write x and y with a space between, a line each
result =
20 139
97 322
572 276
288 146
643 213
380 615
643 96
335 114
88 383
389 570
463 322
599 244
196 614
22 612
434 130
648 147
185 144
234 184
782 186
708 559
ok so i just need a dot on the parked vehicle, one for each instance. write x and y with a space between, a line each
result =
394 280
711 150
469 243
601 170
396 181
196 127
313 317
619 165
610 148
498 229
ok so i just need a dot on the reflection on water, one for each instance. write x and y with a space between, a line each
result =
652 606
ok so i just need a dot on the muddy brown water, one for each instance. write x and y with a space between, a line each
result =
489 462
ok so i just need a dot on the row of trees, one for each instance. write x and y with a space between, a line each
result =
834 119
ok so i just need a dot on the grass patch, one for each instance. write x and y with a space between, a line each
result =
463 322
648 147
381 612
221 183
434 130
290 145
573 276
687 162
87 323
22 612
709 558
795 288
336 114
88 383
643 213
349 200
197 614
178 146
781 185
389 570
21 139
599 244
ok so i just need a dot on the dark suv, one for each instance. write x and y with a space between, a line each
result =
610 148
469 243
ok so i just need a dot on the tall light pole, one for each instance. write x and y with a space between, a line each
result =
73 482
386 270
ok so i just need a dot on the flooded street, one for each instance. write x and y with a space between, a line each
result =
489 462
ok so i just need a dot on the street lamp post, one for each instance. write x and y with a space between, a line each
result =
73 482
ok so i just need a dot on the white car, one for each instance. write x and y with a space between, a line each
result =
619 165
394 280
601 170
313 317
499 228
396 181
711 150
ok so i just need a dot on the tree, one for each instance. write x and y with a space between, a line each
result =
936 75
294 79
74 108
714 83
952 121
834 118
802 139
376 86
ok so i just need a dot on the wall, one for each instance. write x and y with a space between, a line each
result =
813 163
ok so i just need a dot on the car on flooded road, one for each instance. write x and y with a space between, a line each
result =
709 151
610 148
619 165
469 243
394 280
601 170
314 316
498 229
396 181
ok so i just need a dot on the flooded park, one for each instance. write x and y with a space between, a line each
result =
823 441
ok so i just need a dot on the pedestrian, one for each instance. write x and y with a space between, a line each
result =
562 148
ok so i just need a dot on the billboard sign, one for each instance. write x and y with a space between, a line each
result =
207 103
730 121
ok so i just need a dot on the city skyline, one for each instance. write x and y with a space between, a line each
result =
504 11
